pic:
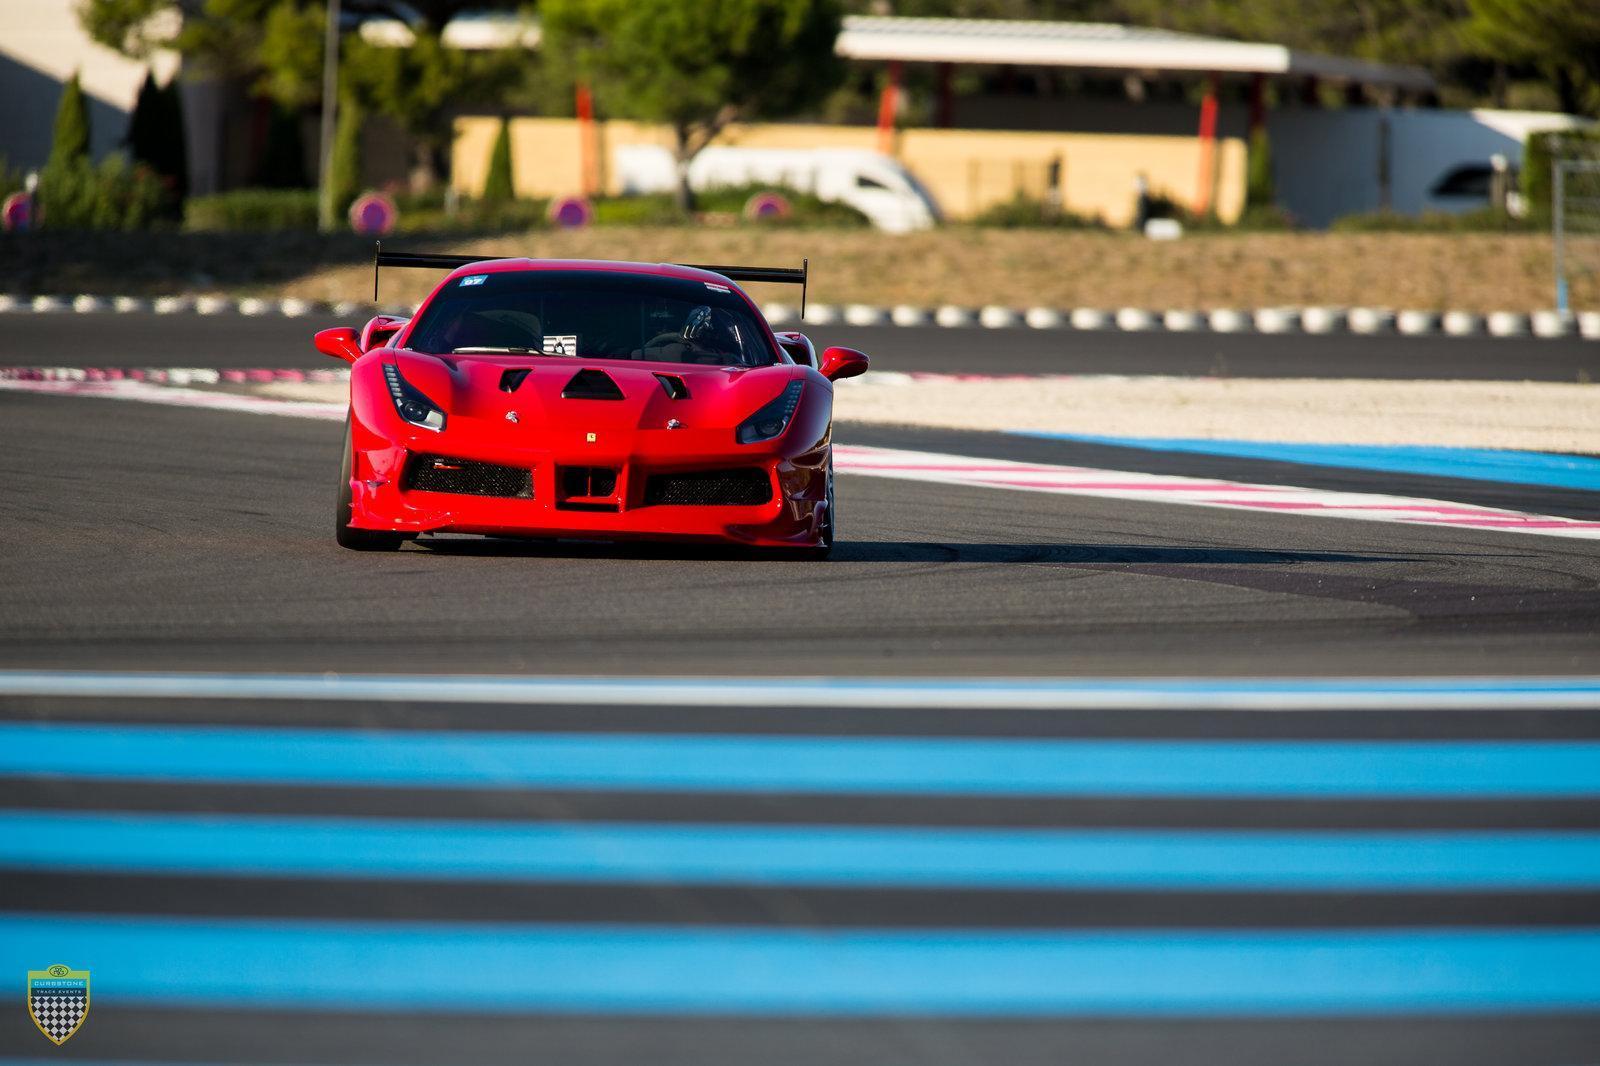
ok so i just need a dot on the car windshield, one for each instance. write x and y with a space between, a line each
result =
593 315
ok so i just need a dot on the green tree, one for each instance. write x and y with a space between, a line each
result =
698 66
1559 38
344 167
275 47
1259 190
70 145
422 87
498 186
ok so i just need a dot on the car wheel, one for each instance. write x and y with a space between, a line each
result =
824 546
361 540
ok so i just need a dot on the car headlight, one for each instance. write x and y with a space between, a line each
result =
414 407
772 419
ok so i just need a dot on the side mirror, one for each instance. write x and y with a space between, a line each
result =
799 347
339 342
378 330
839 363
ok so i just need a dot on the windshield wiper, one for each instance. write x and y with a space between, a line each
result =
485 350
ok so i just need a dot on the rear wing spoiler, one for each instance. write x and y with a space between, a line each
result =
777 275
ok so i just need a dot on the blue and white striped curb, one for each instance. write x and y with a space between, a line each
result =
1363 321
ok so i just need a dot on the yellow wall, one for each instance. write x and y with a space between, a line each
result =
966 170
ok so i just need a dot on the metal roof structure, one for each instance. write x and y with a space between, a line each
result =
1100 46
1017 42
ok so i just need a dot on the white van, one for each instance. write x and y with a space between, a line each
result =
872 183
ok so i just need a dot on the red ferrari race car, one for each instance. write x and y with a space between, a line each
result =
576 398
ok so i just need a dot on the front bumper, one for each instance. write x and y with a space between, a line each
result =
792 517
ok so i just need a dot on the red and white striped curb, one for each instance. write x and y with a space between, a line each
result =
960 470
1363 321
1197 492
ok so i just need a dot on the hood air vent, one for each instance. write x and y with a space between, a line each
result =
674 385
591 385
511 380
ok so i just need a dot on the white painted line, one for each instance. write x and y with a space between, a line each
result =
1248 694
168 395
1197 492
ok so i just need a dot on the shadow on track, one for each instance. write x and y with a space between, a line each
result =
895 551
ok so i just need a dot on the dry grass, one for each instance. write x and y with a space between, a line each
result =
1481 272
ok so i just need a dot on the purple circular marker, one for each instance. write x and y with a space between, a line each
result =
570 212
373 214
16 214
767 207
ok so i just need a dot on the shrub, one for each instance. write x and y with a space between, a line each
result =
498 187
654 209
115 195
1537 169
1260 190
1024 212
11 179
805 209
70 143
1483 220
426 214
253 210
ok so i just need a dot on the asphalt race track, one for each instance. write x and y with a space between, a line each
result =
157 538
232 340
965 871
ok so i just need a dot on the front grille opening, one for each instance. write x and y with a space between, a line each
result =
587 488
468 477
737 486
511 380
591 385
676 389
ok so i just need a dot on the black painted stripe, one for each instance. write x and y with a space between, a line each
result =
1111 812
1415 724
757 905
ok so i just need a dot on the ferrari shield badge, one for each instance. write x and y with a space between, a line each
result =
58 1001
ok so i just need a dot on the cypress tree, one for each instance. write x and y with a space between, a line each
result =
71 143
174 161
144 125
344 168
498 187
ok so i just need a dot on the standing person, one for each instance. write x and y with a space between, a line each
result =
1141 201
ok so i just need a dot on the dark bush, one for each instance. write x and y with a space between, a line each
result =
115 195
1023 212
1483 220
253 209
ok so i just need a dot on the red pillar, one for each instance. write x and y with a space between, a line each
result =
588 157
1208 147
887 106
947 98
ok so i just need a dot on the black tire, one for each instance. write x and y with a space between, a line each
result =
360 540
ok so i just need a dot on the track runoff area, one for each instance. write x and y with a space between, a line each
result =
350 865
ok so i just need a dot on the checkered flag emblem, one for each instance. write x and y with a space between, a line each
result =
58 1000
